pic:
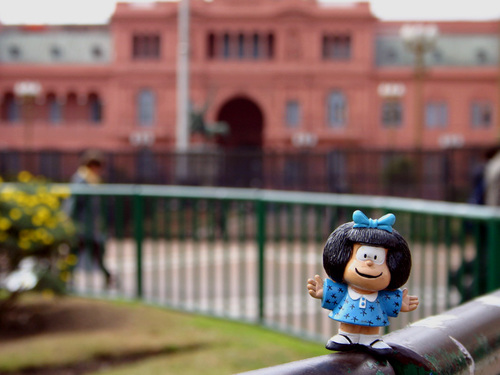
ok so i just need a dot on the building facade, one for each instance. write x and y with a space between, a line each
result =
280 74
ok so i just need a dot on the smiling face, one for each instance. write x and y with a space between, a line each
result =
367 270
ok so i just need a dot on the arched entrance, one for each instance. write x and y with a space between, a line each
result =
246 124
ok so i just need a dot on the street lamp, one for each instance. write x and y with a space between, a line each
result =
419 39
27 92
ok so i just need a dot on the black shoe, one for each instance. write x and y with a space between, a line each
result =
379 347
333 345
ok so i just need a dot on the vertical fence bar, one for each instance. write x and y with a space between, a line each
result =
493 255
261 241
138 219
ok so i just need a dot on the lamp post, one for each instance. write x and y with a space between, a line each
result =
182 137
419 39
27 92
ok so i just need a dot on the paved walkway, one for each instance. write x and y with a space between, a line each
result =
221 278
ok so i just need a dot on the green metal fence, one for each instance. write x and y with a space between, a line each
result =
247 254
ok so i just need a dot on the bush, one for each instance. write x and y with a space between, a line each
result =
35 235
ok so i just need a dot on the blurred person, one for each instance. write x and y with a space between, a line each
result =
478 194
492 177
86 213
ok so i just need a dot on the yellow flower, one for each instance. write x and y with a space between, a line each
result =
37 221
5 223
15 213
24 244
24 176
72 259
65 276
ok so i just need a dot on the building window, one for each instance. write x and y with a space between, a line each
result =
437 55
391 55
481 57
336 109
14 52
256 46
97 53
146 46
11 110
240 46
392 113
436 115
56 53
226 46
336 47
55 109
293 114
146 107
481 114
95 109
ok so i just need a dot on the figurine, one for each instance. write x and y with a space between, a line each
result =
367 261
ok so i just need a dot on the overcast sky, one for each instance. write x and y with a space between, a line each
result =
99 11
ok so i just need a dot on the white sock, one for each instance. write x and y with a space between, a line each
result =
354 337
367 340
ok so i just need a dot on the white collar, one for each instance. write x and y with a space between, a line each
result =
355 295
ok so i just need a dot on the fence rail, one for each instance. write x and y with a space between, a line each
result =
445 174
246 254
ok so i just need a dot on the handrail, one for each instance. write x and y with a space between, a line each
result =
439 208
464 340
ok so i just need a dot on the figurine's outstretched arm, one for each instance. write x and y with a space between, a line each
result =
410 303
315 287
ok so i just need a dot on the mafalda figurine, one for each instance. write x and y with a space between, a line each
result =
367 261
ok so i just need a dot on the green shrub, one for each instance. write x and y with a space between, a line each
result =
33 226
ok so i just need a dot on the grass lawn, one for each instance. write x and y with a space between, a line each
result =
78 336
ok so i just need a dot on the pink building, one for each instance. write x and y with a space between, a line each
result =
282 74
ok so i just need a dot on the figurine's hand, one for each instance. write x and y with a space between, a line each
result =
410 303
315 287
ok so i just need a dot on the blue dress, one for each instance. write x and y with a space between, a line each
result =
372 310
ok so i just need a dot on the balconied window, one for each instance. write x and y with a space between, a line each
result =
146 107
392 113
145 46
481 114
240 46
95 108
336 109
436 115
11 108
55 109
293 114
336 47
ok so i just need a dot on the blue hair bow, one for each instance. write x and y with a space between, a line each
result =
362 221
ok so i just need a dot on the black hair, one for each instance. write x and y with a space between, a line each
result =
339 247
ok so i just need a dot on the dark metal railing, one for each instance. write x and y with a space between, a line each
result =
246 254
438 175
464 340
